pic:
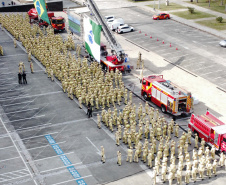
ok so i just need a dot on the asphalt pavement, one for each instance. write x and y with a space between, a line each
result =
32 112
43 132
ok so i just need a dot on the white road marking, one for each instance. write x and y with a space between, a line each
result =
6 147
10 176
55 124
60 167
12 89
185 47
217 78
38 126
43 94
6 73
10 159
7 79
17 103
189 65
93 144
38 136
210 72
166 53
20 111
8 84
53 156
162 50
15 171
41 109
25 118
21 173
18 178
4 136
203 68
72 180
44 146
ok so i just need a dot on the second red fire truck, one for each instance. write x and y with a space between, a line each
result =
58 23
166 95
211 129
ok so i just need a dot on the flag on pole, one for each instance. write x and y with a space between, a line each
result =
92 33
40 7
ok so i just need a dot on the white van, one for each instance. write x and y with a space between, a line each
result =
116 23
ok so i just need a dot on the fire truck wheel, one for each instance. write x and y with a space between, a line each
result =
163 108
145 96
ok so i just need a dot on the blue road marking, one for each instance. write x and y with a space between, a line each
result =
57 149
81 182
73 172
65 160
50 139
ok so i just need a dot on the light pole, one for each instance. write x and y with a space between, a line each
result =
159 5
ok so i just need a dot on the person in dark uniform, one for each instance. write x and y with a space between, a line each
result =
24 78
89 110
19 78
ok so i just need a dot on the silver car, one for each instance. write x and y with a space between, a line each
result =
222 43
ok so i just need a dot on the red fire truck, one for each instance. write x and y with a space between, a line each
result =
57 23
109 63
211 129
166 95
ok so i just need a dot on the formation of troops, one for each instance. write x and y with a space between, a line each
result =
149 137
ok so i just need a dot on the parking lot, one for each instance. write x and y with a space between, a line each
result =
198 52
32 114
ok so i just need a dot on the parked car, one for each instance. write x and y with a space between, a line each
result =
161 16
125 28
116 23
222 43
108 17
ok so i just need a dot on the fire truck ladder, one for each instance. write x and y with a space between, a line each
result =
115 46
210 120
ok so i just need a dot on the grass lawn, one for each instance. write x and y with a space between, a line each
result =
163 7
214 5
195 15
213 24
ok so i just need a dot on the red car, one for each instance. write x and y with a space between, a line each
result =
161 16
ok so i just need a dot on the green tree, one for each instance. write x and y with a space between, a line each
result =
219 19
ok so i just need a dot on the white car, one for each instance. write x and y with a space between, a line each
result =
222 43
109 17
125 28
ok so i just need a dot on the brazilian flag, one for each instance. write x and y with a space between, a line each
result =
40 7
